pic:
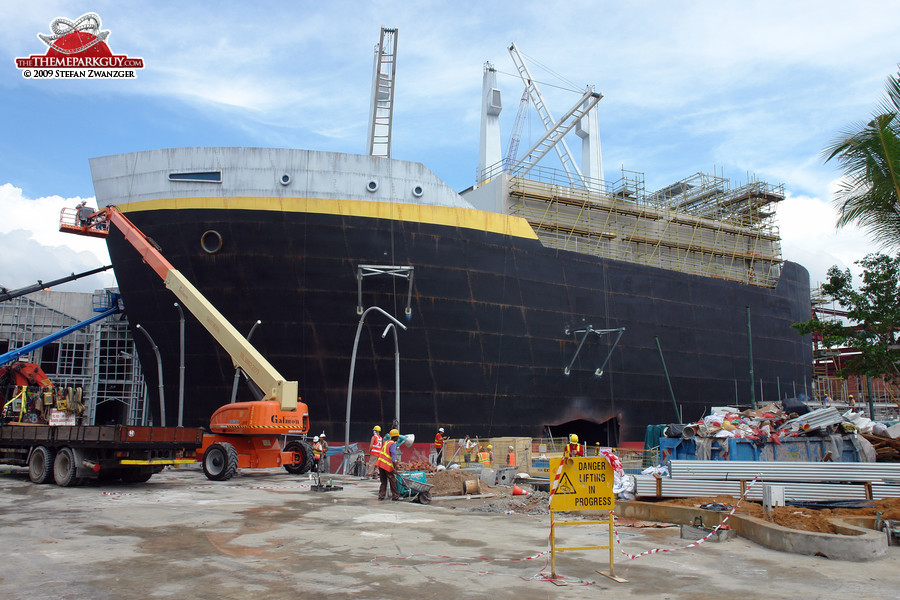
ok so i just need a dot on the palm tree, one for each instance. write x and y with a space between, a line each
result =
869 155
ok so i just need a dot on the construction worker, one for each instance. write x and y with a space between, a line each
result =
374 451
388 461
573 448
491 453
852 402
484 459
323 465
469 446
597 449
511 457
317 453
439 447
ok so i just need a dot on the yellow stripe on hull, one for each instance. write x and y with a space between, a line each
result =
467 218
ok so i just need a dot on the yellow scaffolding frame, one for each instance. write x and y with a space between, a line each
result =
697 226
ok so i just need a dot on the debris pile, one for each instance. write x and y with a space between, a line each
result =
417 465
770 423
776 423
886 449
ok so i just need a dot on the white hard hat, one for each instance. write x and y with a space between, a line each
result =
316 439
441 430
322 434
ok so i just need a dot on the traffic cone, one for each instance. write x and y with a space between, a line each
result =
517 491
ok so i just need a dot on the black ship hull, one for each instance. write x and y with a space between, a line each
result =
486 345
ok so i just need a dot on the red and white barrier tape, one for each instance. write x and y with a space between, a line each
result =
692 544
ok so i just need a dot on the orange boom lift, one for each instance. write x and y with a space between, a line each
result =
243 434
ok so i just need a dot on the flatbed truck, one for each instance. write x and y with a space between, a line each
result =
71 454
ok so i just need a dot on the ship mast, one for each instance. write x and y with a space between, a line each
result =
381 111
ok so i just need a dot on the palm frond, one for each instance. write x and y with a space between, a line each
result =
869 156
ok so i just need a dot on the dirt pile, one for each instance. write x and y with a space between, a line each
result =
453 483
802 519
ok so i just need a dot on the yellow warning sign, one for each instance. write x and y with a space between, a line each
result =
585 483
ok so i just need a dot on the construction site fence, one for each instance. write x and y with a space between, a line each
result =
533 455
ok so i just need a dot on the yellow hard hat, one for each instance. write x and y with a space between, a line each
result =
394 433
490 447
376 428
573 438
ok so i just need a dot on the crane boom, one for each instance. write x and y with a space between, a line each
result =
515 137
555 135
244 355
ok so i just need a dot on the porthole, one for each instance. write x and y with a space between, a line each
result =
418 191
372 186
211 241
285 179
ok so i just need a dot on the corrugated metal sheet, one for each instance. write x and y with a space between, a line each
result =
785 471
801 480
816 419
683 488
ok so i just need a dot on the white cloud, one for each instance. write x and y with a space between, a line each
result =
809 237
34 249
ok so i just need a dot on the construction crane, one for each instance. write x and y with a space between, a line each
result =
6 294
381 112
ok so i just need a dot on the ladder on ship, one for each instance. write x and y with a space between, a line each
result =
381 112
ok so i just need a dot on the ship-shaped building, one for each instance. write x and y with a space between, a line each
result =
539 299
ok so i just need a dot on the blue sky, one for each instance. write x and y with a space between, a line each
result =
746 89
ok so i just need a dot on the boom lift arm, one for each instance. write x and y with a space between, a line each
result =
244 355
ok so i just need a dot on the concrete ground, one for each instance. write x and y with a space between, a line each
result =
265 534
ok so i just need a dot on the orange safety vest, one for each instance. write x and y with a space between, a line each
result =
511 459
318 450
384 459
375 444
438 441
483 458
573 450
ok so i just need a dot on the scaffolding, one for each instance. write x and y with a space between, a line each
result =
848 391
701 225
101 358
117 378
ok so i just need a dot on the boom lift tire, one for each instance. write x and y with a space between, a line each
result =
64 468
304 450
220 461
40 465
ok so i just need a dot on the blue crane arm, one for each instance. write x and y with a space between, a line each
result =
14 354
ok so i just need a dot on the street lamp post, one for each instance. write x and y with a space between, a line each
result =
180 366
396 374
362 320
237 370
159 374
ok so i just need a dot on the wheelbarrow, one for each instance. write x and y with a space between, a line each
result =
413 484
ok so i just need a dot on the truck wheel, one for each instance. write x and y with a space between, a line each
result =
137 475
306 460
220 461
64 468
40 465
